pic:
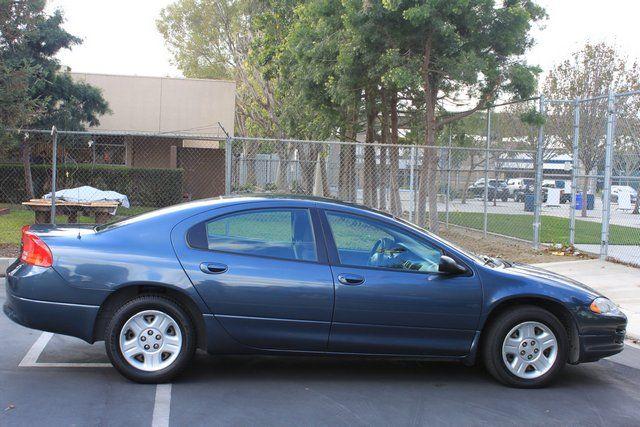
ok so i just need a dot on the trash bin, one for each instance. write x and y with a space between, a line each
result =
590 201
529 202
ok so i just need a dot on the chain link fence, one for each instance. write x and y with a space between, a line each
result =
151 170
540 171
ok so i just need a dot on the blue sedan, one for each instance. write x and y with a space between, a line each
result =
289 275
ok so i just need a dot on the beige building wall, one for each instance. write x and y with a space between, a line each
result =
161 104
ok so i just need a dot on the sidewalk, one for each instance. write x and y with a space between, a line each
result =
4 264
618 282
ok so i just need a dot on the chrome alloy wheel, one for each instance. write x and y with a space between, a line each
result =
150 340
529 350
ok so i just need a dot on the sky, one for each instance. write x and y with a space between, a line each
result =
120 36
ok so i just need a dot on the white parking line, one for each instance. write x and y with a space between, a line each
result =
36 349
30 360
162 406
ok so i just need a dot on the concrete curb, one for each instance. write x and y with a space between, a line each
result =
4 264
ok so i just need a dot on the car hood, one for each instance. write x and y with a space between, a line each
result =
549 278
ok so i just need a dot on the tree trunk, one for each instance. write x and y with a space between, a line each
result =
369 173
26 162
428 185
283 151
467 181
495 177
428 177
384 172
250 151
394 161
308 158
347 172
325 179
585 188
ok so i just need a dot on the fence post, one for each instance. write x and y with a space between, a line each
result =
412 184
538 182
574 175
54 173
228 160
486 173
448 181
606 188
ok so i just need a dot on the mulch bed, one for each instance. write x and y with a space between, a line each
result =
9 250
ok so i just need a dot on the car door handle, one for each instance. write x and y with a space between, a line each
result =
213 268
350 279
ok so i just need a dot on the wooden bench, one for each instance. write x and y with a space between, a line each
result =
101 211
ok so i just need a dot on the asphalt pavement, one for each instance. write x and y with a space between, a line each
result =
247 391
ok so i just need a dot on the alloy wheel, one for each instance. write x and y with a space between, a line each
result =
150 340
530 350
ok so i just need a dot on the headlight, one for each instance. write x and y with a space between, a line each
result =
603 305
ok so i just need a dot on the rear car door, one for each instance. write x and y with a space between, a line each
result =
390 298
263 274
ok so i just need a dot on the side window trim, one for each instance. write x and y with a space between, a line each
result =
332 248
321 252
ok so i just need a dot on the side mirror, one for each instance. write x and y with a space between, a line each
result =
449 266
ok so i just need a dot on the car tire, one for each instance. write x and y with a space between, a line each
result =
525 336
140 325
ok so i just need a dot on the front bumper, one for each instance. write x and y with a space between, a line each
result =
603 340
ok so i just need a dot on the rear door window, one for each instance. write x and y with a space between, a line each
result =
276 233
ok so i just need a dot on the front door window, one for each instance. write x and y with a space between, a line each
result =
362 242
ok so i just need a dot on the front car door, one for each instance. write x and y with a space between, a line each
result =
263 274
390 297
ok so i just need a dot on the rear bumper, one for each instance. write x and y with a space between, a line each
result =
68 319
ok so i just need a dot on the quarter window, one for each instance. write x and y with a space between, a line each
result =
362 242
278 233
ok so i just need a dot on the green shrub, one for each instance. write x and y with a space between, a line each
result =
143 187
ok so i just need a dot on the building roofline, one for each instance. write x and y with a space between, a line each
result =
152 77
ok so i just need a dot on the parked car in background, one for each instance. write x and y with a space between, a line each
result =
617 189
497 189
519 187
286 275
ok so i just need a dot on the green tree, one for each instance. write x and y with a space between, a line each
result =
361 56
460 49
214 39
35 91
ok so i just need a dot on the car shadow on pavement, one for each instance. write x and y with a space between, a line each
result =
206 368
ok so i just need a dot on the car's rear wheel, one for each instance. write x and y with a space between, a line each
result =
150 339
525 347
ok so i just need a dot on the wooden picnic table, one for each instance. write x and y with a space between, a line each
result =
101 211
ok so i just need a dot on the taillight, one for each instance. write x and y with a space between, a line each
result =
34 250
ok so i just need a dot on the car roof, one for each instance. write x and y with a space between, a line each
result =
183 210
325 202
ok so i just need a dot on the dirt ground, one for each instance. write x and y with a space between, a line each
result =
8 250
501 247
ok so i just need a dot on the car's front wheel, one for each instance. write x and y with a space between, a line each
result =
150 339
525 347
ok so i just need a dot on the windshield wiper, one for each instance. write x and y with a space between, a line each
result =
489 260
